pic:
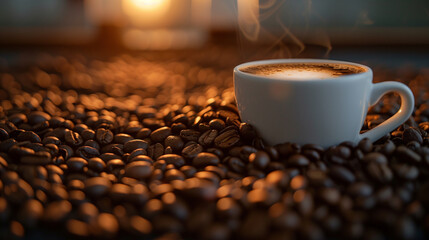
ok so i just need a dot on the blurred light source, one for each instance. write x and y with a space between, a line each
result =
145 11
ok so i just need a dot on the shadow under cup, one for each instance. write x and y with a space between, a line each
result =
323 102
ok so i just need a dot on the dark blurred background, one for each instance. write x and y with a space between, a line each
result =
391 33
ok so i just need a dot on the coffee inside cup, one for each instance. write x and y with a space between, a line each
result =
303 71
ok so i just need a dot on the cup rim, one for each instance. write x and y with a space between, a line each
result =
301 60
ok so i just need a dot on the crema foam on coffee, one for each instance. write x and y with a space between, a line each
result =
303 70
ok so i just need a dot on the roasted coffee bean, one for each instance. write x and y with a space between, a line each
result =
411 134
204 159
188 171
87 152
217 124
406 171
97 186
174 142
39 158
174 174
236 164
160 134
174 159
190 135
28 136
360 189
375 158
341 174
3 134
57 211
87 134
92 143
143 133
138 169
365 145
407 155
73 138
247 131
51 140
132 145
227 139
380 172
287 149
260 159
155 151
76 164
192 150
38 117
104 136
207 138
7 144
136 153
297 160
96 164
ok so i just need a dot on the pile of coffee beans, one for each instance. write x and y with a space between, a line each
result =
140 148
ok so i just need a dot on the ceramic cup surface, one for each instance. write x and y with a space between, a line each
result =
319 111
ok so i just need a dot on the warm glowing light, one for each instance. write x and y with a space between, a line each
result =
145 11
148 5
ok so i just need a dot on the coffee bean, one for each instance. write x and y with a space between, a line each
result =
28 136
87 134
406 171
136 153
380 172
155 151
38 117
411 134
204 159
3 134
207 138
76 164
39 158
93 144
31 213
174 174
365 145
407 155
106 225
104 136
97 186
360 189
132 145
227 139
260 159
217 124
160 134
341 174
298 160
138 169
190 135
247 131
57 211
96 164
174 159
188 171
175 142
73 138
192 150
236 164
7 144
287 149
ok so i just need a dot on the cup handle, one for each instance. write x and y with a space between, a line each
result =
407 108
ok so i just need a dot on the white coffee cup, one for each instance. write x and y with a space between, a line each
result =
320 111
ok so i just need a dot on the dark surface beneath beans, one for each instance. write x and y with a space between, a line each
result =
141 147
